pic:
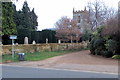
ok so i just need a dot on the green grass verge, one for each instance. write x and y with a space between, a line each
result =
7 58
33 56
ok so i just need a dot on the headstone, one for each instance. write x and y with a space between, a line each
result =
59 41
34 42
71 40
16 43
46 40
26 40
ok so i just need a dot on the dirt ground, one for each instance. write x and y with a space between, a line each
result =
81 60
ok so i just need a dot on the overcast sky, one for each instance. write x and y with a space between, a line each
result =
49 11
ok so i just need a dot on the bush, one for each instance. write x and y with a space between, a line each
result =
92 49
107 54
97 45
99 42
104 45
116 57
112 45
97 52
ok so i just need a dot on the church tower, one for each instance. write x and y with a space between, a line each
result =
82 17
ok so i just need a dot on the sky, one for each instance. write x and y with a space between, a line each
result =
50 11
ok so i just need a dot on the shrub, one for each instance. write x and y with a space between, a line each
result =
97 52
107 54
111 46
116 57
92 49
103 45
99 46
99 42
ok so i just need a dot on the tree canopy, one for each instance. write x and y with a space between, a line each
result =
25 19
8 25
67 30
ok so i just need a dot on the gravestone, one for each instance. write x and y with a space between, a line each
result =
33 42
16 43
46 40
26 40
59 41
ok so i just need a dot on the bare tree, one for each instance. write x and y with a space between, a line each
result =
67 30
112 26
99 13
111 13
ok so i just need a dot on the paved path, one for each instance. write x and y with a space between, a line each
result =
28 72
81 60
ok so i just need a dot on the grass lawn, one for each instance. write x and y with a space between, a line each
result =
33 56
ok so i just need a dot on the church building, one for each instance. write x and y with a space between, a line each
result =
82 18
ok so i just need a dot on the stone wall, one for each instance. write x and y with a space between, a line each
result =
30 48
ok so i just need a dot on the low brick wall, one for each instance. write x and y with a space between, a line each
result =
31 48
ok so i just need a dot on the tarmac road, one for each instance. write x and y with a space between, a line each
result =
31 72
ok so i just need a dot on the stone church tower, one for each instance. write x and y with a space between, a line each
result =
82 18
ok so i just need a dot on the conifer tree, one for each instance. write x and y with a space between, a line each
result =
8 25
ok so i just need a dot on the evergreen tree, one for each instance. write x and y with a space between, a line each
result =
18 18
8 25
33 20
25 19
26 22
26 16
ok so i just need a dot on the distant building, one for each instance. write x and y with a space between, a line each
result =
82 18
